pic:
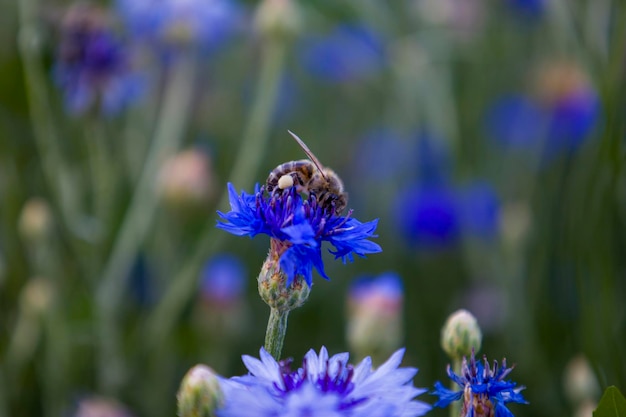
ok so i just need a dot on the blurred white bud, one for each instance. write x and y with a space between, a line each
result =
186 180
579 381
35 222
36 296
101 407
278 19
515 223
586 409
460 334
200 394
560 80
375 316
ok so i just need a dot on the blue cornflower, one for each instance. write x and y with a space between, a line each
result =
484 390
206 23
297 228
348 53
322 387
223 279
92 66
428 215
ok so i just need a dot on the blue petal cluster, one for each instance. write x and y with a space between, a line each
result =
322 387
223 279
91 64
301 226
484 387
206 23
349 53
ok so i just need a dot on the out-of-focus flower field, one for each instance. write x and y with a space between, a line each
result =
488 137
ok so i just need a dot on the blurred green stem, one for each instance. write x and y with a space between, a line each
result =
54 167
138 218
104 178
251 151
276 331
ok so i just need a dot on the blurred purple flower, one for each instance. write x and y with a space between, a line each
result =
174 23
427 215
91 64
557 119
223 279
348 53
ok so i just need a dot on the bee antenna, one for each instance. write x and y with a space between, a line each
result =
308 153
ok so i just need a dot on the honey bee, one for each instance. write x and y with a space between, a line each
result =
311 177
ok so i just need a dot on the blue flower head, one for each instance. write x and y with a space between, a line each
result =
297 228
223 279
91 64
323 387
206 23
348 53
484 390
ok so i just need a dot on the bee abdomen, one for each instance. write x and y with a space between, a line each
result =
301 171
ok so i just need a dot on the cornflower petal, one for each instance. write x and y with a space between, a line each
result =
323 387
300 226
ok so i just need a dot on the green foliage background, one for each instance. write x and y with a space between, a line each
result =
563 285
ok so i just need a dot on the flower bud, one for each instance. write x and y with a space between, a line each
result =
35 222
579 381
277 19
200 394
375 316
186 180
272 282
101 407
36 297
460 335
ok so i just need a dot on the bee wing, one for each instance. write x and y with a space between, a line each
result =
308 153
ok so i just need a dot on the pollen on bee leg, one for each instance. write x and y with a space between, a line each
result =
286 181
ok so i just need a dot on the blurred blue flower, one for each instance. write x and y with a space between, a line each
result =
558 121
206 23
348 53
297 229
479 209
516 122
527 9
427 215
387 287
322 387
483 389
381 155
91 65
223 279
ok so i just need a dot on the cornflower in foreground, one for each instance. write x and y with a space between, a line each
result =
297 228
484 391
323 386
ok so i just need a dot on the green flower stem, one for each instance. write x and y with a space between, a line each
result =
252 148
138 219
276 331
455 406
55 169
